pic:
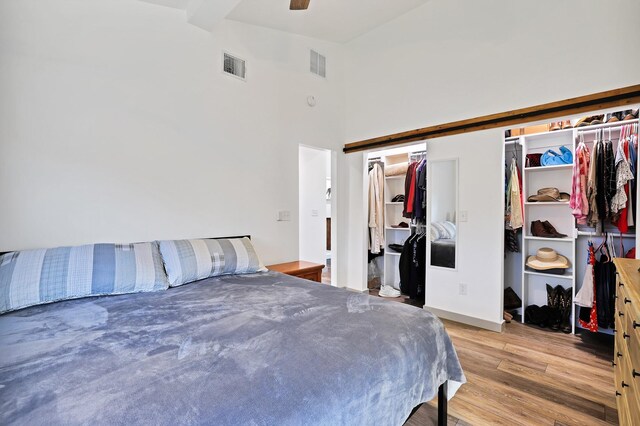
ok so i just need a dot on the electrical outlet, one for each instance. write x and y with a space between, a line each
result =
462 287
463 216
284 216
314 213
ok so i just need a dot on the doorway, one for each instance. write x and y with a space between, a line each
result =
316 208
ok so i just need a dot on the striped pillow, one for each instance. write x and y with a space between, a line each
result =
191 260
33 277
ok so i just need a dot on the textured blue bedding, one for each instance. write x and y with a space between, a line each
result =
259 349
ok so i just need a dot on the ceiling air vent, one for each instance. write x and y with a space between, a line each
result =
318 64
234 66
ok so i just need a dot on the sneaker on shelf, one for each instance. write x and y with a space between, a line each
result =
388 291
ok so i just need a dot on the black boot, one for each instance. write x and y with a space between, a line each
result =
566 308
553 301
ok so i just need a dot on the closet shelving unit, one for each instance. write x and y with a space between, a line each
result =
394 185
533 283
533 288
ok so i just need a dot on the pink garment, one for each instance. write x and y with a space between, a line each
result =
578 201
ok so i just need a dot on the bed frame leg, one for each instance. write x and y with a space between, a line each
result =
442 404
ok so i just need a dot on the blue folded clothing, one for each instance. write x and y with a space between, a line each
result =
552 158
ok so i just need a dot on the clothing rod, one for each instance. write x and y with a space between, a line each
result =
616 124
613 234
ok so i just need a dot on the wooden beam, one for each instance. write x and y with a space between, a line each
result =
553 110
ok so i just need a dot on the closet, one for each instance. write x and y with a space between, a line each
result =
548 159
389 214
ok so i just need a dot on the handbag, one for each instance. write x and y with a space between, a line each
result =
533 160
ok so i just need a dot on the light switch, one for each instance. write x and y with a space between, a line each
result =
314 213
463 216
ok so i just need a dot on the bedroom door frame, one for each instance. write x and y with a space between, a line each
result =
331 203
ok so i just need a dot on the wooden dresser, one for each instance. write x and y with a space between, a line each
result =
301 269
627 342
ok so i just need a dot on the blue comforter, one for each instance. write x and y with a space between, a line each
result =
260 349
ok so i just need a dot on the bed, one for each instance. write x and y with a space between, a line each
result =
258 349
443 253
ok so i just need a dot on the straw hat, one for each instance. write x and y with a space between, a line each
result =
547 258
549 194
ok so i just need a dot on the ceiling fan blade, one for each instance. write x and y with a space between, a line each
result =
299 4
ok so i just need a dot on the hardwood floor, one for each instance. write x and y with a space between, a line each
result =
529 376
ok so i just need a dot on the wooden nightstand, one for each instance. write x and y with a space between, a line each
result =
300 269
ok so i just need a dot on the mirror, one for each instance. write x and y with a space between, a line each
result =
443 199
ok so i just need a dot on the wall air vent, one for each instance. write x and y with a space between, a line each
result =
234 66
318 64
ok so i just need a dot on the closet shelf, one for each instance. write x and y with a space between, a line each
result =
542 274
392 253
558 167
394 203
397 229
393 177
531 237
546 203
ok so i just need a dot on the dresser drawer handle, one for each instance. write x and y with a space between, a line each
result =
625 335
620 313
619 354
620 285
635 325
635 373
618 393
624 385
627 300
613 364
614 330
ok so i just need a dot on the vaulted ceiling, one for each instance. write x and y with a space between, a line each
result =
332 20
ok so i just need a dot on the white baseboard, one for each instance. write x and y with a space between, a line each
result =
464 319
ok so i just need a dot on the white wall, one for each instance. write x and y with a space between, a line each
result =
457 59
116 124
312 197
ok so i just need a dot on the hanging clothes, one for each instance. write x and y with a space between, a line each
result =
579 202
420 202
409 190
605 277
412 266
592 187
376 209
588 316
514 209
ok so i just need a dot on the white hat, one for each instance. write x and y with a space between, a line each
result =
547 258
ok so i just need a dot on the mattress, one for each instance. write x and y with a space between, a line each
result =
258 349
443 253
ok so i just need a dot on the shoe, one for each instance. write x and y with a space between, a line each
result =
553 301
396 247
567 124
556 125
565 308
539 230
597 119
552 231
398 198
613 117
388 291
530 313
401 225
630 114
542 316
